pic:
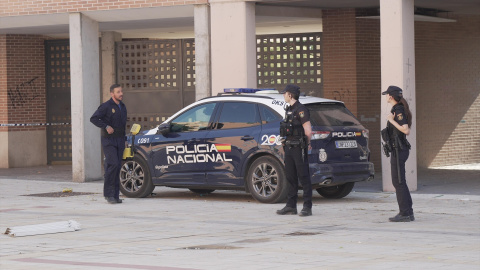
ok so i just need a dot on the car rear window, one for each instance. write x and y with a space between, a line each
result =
331 114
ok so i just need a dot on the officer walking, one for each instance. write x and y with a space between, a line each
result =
297 129
398 126
111 117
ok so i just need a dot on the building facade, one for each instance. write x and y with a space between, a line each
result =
58 58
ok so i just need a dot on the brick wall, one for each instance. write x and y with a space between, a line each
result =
3 82
34 7
25 81
448 91
369 82
351 69
447 82
339 61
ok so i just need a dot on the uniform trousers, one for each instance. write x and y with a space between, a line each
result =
113 150
403 194
297 169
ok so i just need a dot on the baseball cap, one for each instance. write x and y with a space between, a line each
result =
292 89
393 91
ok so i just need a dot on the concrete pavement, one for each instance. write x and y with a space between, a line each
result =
177 229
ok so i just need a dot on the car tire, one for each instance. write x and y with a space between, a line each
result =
135 178
266 180
336 192
201 191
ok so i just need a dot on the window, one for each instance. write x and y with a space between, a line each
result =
238 115
269 115
331 114
194 119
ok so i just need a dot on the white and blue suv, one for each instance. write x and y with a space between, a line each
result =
232 142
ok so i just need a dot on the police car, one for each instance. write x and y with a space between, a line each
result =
232 142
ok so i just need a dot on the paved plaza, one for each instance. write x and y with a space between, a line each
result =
177 229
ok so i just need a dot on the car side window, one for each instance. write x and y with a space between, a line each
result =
269 115
195 119
238 115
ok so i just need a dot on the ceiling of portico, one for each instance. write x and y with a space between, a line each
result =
272 17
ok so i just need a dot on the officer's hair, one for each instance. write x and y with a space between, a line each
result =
115 85
400 99
294 96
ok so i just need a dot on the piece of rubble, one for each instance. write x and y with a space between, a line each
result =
46 228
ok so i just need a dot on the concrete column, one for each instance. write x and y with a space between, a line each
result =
203 79
233 45
398 68
109 60
85 88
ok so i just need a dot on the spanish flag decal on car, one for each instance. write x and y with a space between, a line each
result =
358 134
224 147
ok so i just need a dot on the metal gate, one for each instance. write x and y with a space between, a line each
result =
293 58
57 72
157 77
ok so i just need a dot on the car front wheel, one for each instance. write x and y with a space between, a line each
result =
336 192
135 179
266 180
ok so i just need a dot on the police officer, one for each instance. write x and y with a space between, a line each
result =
298 131
111 117
398 126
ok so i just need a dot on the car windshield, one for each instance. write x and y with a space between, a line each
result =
331 114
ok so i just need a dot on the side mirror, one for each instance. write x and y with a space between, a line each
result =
164 129
135 129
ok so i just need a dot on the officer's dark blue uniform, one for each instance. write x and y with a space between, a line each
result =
396 143
296 152
115 116
296 162
403 194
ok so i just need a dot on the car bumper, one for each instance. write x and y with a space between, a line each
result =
335 174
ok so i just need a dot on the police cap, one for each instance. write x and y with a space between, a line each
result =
294 89
393 91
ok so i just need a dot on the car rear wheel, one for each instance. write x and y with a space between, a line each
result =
266 180
201 191
135 179
336 192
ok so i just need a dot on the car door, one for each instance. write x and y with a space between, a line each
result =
179 154
233 137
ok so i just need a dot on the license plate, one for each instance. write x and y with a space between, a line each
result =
346 144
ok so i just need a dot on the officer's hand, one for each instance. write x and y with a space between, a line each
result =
390 116
309 147
109 130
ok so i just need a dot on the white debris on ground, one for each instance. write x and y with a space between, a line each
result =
467 167
46 228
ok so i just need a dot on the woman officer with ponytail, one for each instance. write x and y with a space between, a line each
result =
398 126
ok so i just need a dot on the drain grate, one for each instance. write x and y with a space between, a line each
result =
59 194
302 233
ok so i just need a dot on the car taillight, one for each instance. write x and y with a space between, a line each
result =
365 133
320 135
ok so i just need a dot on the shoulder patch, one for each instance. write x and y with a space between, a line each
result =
302 114
400 116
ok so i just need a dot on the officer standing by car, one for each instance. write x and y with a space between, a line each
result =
398 126
111 117
297 129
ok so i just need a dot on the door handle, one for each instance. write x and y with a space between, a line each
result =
247 138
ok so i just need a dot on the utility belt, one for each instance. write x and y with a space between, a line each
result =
117 132
402 144
297 142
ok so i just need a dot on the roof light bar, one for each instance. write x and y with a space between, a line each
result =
245 90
